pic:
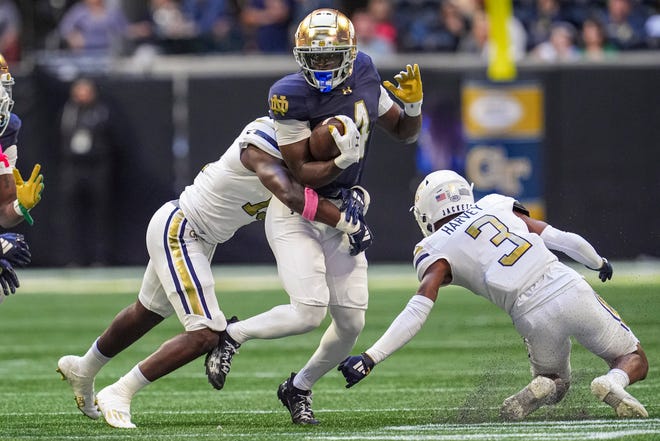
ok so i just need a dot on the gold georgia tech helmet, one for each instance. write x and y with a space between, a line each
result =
325 48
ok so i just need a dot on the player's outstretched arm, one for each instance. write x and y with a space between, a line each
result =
404 327
573 245
405 124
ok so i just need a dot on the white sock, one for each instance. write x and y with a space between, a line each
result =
92 362
619 377
131 383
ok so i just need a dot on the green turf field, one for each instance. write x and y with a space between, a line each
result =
447 384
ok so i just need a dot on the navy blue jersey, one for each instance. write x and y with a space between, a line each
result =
293 98
10 136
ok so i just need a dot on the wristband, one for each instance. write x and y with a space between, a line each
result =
311 204
413 109
22 211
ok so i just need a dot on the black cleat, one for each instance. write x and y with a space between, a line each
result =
218 361
299 402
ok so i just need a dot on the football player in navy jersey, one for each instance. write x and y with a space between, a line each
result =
182 237
17 197
314 263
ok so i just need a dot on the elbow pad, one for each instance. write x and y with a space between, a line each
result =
573 245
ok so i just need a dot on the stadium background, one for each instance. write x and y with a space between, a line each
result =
599 147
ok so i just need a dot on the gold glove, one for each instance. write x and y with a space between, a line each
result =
409 89
28 193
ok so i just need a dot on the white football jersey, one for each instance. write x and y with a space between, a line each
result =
492 253
225 195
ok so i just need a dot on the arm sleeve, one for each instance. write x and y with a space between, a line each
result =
403 328
573 245
291 130
384 102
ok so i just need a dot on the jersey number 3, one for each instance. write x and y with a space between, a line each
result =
502 234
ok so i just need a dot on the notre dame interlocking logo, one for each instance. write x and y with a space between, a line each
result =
279 104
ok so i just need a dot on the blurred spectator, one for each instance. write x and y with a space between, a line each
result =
477 40
10 28
87 154
440 31
214 22
266 25
90 26
624 25
368 41
382 11
560 45
540 19
594 45
652 28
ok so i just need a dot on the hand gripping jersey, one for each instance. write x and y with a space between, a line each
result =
360 97
225 195
492 253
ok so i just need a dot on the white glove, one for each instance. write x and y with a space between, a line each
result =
348 143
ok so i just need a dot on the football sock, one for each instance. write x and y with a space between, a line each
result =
619 377
131 383
335 345
92 362
281 321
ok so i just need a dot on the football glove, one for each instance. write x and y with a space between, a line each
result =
355 368
361 239
8 277
354 203
15 249
605 271
348 143
28 193
408 90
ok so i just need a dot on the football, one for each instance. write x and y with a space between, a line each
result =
322 146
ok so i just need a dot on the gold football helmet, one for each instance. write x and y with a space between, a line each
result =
6 101
325 48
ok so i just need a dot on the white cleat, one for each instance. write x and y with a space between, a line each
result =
115 409
83 387
624 404
531 397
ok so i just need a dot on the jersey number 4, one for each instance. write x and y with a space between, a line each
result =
502 234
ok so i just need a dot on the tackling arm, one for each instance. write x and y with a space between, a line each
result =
406 325
571 244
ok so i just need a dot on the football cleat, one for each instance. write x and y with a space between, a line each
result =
83 387
298 402
115 408
624 404
531 397
218 361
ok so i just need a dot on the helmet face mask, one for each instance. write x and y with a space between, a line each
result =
325 48
441 194
6 100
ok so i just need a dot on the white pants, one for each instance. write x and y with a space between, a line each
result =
578 312
313 260
178 277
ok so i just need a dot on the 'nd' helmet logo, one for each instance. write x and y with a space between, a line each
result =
279 104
